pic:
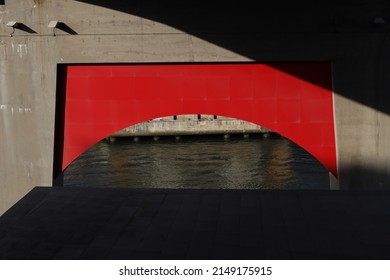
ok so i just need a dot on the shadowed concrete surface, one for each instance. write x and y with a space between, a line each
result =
97 223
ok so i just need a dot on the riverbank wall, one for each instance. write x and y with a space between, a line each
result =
191 125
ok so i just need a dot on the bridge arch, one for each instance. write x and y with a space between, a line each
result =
94 101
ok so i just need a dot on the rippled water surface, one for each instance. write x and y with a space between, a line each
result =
198 162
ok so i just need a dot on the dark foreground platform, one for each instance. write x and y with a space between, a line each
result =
96 223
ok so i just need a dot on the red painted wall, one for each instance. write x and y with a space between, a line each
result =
293 99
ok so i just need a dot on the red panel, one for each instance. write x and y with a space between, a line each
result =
293 99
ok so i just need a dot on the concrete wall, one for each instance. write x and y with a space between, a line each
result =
191 125
342 31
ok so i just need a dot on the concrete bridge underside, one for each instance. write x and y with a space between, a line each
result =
352 36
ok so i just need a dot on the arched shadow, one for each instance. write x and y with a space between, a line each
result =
281 30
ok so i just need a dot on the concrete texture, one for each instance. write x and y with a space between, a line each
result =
191 126
347 33
151 224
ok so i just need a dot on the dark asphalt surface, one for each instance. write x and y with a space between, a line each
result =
146 224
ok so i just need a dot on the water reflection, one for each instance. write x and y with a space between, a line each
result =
198 162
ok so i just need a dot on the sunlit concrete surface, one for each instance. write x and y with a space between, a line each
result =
96 223
191 125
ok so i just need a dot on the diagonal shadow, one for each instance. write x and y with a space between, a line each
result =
309 29
25 28
66 28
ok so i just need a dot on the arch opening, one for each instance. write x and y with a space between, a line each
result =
252 157
97 100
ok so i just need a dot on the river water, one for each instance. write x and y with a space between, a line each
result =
207 162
